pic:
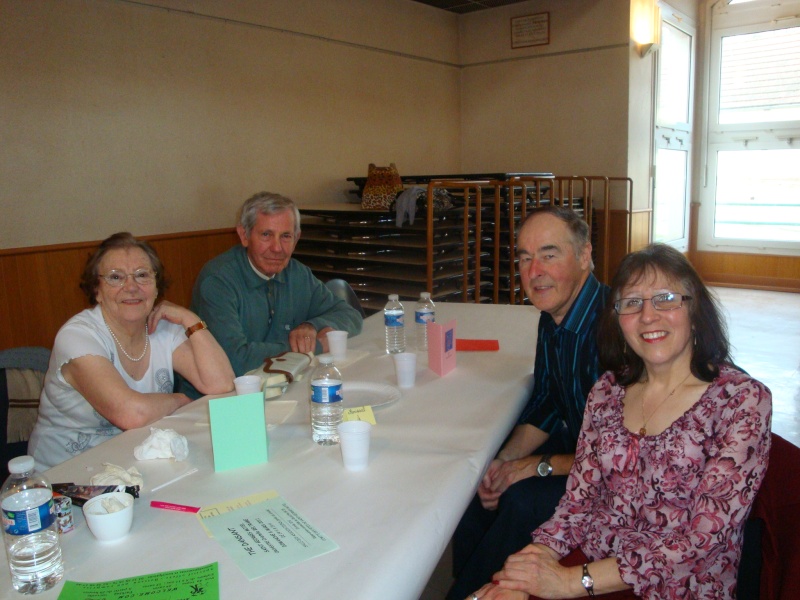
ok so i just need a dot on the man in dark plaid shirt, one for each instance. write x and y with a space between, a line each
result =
524 482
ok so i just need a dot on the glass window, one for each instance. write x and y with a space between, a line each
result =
751 199
758 195
760 77
673 132
670 194
674 77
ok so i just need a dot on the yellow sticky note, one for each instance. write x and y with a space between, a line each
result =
359 413
230 505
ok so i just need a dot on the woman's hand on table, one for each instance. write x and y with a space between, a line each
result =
494 592
535 570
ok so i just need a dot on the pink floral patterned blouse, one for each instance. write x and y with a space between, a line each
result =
670 507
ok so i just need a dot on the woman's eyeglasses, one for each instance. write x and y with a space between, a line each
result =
668 301
143 277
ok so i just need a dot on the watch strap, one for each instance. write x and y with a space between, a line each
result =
195 328
587 581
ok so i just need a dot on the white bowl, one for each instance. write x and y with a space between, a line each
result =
109 526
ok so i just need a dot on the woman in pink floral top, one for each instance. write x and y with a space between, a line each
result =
673 448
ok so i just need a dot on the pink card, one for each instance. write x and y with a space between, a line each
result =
442 347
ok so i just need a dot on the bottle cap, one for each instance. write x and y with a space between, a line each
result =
425 295
394 297
21 464
325 359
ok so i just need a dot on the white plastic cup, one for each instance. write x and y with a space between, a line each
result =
354 440
405 364
248 384
109 526
337 345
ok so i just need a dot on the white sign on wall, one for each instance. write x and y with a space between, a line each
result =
530 30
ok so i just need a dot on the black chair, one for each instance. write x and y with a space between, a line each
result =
341 289
34 358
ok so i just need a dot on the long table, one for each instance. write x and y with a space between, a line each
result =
392 522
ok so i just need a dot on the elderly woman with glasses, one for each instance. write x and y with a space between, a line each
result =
673 448
112 365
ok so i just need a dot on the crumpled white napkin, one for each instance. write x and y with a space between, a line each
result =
162 443
116 475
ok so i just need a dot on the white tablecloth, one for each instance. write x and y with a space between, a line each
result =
391 522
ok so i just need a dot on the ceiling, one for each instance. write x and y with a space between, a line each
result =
467 6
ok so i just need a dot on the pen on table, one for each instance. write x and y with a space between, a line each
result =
171 481
171 506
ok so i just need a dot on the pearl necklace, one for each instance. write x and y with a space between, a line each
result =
643 428
129 357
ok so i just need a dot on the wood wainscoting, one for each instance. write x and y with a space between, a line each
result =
628 232
752 271
39 285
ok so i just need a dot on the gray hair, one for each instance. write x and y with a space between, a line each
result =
578 228
266 203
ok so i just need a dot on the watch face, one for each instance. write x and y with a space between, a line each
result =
544 469
587 581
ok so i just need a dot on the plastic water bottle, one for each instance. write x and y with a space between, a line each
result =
424 313
394 320
326 402
29 528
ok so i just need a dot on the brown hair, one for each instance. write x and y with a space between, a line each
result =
90 278
710 347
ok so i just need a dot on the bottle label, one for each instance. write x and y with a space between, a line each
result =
23 522
394 320
326 394
423 317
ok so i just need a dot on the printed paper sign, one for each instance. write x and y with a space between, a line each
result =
267 537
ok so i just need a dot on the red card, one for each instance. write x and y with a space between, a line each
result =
477 345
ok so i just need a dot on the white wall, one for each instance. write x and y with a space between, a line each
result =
562 107
160 116
125 116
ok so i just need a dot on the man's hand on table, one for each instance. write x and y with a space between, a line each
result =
503 474
304 337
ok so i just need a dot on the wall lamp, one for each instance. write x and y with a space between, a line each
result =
646 27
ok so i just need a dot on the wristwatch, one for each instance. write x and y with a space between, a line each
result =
196 327
587 580
544 468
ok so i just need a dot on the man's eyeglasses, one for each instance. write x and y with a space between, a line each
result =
143 277
668 301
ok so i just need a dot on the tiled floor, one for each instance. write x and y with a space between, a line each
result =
764 330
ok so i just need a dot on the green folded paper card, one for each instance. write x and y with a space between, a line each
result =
238 431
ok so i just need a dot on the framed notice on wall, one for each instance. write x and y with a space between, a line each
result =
530 30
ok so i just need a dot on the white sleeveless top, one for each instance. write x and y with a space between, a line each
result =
67 423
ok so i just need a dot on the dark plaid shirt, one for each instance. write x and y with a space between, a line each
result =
566 363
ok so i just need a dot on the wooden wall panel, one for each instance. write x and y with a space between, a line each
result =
753 271
621 242
39 285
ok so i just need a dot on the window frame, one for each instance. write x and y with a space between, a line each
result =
726 20
676 135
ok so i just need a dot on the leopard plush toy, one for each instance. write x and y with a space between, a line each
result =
383 184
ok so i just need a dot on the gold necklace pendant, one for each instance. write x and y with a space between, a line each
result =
643 428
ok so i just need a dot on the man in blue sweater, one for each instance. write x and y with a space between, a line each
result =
258 301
